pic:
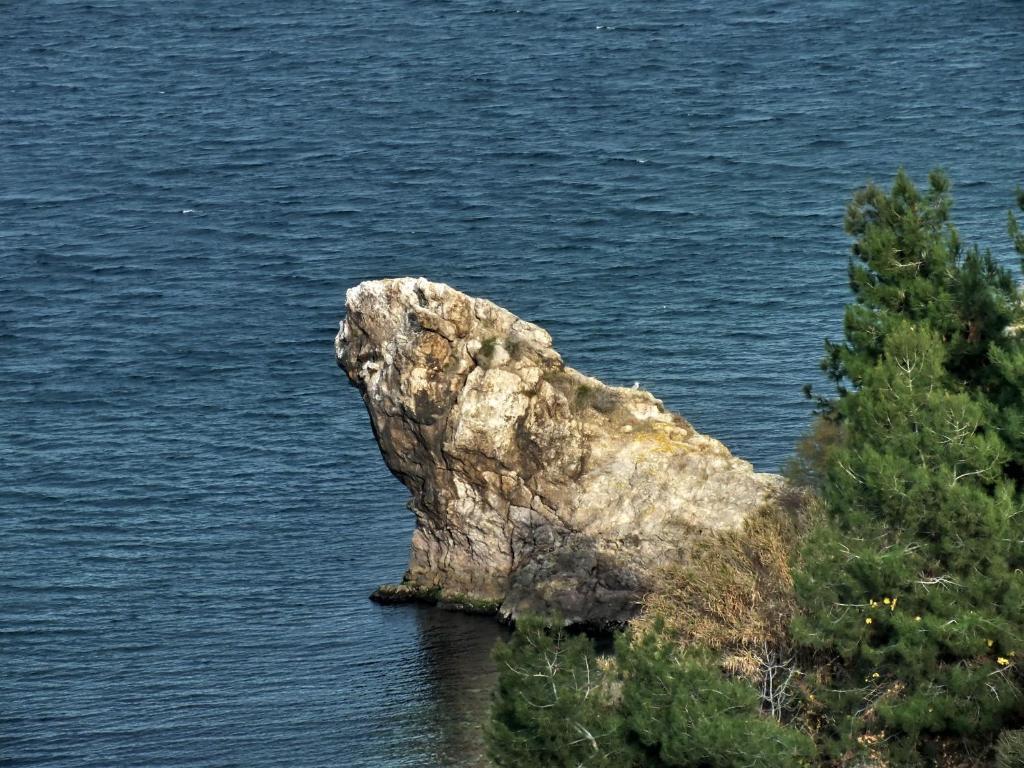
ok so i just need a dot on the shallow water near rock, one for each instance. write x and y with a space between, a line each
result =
193 509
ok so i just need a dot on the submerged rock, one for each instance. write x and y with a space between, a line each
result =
535 488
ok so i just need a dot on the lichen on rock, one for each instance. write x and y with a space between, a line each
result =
535 488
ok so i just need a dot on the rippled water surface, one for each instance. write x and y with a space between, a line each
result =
192 507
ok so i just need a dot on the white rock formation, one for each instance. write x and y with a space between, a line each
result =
535 488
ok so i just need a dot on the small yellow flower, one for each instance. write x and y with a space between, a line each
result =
892 607
869 620
990 643
886 600
874 675
811 697
874 603
917 618
1002 661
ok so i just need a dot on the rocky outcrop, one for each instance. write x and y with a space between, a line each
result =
535 488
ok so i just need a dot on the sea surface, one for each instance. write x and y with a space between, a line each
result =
192 506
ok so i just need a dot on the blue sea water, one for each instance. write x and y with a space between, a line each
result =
192 506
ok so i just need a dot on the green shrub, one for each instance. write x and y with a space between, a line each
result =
558 705
487 347
602 399
514 347
583 394
681 710
553 706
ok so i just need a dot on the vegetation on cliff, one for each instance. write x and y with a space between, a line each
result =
657 704
893 635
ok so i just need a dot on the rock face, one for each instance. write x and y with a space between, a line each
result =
535 488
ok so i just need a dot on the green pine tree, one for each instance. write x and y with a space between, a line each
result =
909 265
913 594
682 712
653 706
553 706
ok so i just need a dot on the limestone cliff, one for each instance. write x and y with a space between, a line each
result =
535 488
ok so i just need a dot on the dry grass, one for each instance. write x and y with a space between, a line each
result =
735 594
808 465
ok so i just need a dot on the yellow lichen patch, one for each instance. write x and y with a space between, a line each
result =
663 439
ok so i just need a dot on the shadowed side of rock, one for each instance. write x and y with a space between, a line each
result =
535 488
